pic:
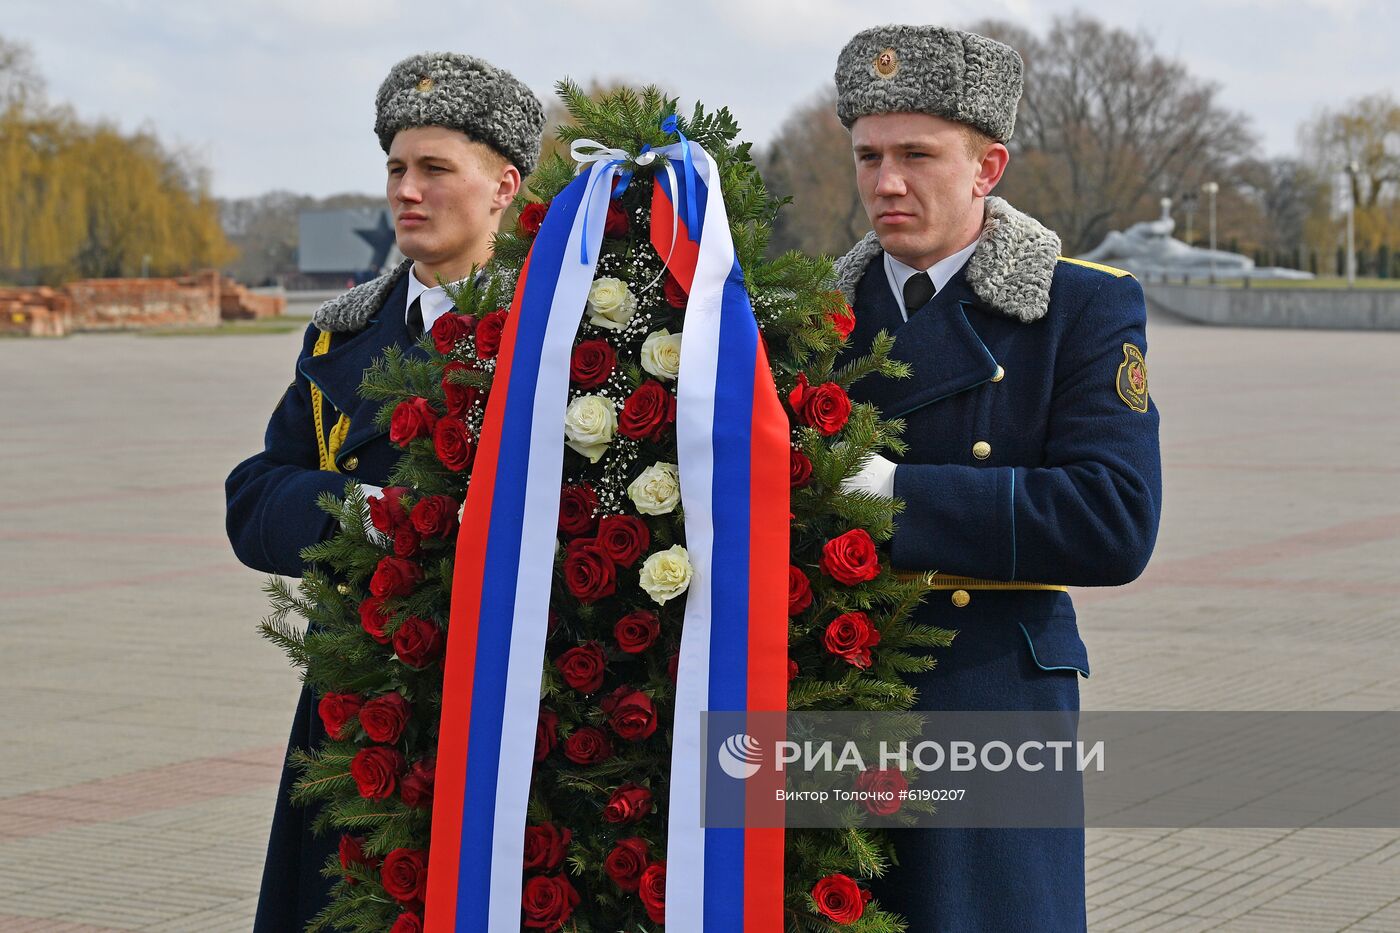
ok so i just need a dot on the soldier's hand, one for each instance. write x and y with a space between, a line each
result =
876 478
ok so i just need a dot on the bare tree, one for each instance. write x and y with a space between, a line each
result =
810 161
20 82
1364 133
264 229
1107 126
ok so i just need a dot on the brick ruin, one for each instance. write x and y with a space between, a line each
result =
201 300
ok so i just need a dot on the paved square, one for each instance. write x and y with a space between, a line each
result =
145 719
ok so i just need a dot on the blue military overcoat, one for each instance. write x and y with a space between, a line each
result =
1033 457
272 515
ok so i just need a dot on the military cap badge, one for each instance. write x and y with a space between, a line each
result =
886 64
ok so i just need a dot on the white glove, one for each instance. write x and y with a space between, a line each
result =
876 478
375 535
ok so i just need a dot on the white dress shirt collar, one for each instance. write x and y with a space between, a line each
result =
898 273
435 301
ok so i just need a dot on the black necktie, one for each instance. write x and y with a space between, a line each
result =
918 289
415 319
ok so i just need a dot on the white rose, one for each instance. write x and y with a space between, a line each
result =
610 304
661 354
666 574
657 491
589 425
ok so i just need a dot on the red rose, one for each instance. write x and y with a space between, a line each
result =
587 746
450 329
850 636
412 419
417 642
435 516
843 320
652 891
675 292
591 364
800 469
453 444
890 781
386 510
373 618
798 393
647 412
404 874
545 846
576 507
406 541
636 631
672 665
408 922
792 670
630 803
459 397
630 713
384 717
799 591
589 573
616 225
416 788
826 407
582 667
546 733
395 577
624 537
488 334
840 898
548 901
336 711
850 558
626 862
531 217
352 855
376 771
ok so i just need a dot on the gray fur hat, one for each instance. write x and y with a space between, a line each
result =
463 93
957 75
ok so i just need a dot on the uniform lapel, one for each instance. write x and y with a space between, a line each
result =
944 353
339 372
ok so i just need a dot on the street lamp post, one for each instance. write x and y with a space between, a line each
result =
1352 169
1211 188
1188 204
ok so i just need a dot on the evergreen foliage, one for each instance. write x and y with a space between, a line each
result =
341 654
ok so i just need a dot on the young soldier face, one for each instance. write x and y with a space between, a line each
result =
921 184
447 194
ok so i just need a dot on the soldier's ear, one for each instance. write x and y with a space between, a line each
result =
990 169
507 186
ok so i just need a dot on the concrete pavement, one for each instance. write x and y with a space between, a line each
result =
145 719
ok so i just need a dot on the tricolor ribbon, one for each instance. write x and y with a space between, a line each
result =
732 439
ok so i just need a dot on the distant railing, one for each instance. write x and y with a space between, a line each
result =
1279 305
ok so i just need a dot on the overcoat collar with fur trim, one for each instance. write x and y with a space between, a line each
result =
352 310
1010 271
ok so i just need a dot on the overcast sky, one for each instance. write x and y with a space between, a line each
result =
280 93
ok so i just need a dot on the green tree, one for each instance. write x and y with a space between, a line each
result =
79 199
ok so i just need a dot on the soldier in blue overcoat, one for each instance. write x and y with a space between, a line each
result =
459 135
1033 460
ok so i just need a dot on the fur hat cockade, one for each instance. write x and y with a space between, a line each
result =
956 75
464 93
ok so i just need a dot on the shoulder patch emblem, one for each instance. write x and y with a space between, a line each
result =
1132 378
